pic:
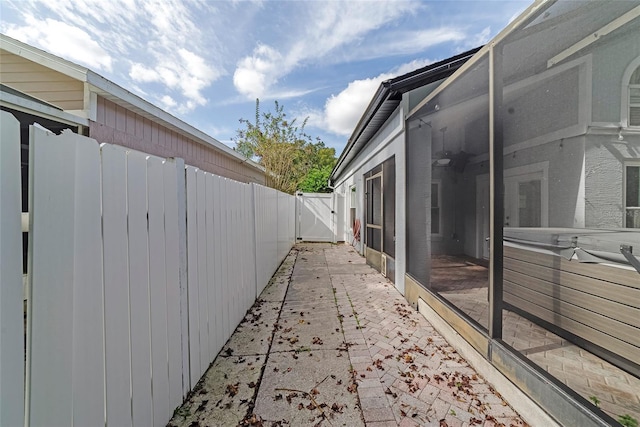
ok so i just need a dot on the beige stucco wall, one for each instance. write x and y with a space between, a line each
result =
117 125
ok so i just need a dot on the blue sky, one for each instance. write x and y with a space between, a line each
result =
207 61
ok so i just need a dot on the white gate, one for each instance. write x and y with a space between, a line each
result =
314 212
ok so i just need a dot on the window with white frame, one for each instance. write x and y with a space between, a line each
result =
634 98
436 202
632 195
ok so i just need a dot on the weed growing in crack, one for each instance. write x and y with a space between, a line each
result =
355 313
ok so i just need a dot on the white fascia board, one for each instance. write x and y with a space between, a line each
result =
103 87
25 105
43 58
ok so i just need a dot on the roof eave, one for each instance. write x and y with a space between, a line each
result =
31 105
377 100
43 58
392 89
119 95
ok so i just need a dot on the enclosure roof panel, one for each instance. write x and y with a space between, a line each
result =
388 97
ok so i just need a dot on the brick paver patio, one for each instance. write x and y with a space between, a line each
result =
616 391
332 342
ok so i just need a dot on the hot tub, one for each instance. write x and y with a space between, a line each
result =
579 284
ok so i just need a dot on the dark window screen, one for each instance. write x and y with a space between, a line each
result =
373 238
389 206
374 213
375 197
417 185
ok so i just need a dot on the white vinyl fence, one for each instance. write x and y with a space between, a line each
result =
139 270
11 295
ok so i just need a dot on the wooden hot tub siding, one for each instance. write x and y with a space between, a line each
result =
598 303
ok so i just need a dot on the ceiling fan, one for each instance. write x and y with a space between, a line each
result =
445 158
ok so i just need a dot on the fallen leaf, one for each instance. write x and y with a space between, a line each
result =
388 391
232 389
202 406
252 420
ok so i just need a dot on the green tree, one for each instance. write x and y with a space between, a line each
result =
283 147
316 180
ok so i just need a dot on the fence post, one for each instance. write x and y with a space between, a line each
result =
182 248
254 234
11 295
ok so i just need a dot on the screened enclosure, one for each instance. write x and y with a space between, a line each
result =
380 195
522 206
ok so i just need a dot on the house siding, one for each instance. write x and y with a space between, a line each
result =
388 142
117 125
41 82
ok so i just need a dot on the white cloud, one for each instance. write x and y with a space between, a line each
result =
478 39
142 74
327 27
173 60
407 42
63 40
183 71
256 73
410 66
168 102
343 111
151 42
